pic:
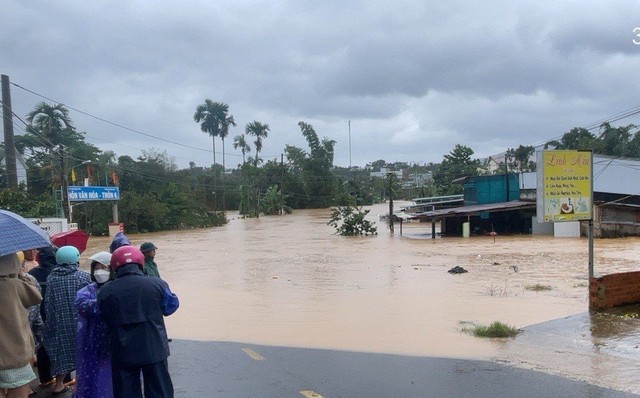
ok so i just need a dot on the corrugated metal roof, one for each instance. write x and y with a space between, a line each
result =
476 209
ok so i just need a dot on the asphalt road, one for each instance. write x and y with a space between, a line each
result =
221 369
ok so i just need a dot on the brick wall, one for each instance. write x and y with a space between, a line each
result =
614 290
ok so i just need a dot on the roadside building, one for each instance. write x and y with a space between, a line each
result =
507 204
21 166
386 170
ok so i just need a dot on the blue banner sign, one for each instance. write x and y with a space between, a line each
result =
83 194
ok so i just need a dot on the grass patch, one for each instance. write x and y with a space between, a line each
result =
538 287
581 284
496 329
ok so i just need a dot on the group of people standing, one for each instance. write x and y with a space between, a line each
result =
106 324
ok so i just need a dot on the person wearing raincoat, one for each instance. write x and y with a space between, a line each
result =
93 354
61 318
119 240
17 346
47 256
134 307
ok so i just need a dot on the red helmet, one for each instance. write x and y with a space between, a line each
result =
126 255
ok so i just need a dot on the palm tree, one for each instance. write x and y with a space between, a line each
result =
240 141
48 121
106 161
224 132
260 131
214 120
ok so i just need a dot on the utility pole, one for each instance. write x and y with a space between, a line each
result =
9 143
282 183
390 180
64 183
506 174
349 144
353 177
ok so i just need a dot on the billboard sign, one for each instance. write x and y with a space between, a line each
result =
84 194
565 186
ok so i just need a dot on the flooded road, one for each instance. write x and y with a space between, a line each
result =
289 281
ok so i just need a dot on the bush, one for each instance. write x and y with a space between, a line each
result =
538 287
350 221
274 202
496 329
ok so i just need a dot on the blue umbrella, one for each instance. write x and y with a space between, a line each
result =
18 233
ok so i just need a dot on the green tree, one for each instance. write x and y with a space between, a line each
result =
350 221
378 164
49 129
260 131
224 132
577 138
457 164
52 147
520 159
320 186
47 122
106 164
26 204
614 141
274 202
611 141
214 120
240 141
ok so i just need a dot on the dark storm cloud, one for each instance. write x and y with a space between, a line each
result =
414 77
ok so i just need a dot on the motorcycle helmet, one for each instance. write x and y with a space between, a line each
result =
67 255
126 255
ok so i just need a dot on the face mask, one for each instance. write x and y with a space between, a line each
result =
101 275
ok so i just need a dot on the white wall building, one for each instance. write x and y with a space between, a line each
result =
21 166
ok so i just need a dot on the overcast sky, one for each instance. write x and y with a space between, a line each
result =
413 77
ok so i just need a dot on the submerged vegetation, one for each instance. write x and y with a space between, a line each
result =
538 287
350 221
494 330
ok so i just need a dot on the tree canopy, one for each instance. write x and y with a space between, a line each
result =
611 141
214 120
457 164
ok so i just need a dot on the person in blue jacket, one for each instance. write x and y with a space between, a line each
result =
93 353
118 241
133 307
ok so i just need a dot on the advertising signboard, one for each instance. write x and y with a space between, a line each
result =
84 194
565 185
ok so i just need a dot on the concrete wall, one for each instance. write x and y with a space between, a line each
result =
614 290
51 225
541 228
570 229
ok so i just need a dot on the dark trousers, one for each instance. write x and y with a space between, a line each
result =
44 365
157 381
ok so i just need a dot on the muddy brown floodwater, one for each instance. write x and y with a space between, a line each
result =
290 281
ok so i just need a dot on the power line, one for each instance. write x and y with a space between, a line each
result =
109 122
122 126
614 118
596 125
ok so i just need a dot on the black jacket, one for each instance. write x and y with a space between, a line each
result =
46 264
133 306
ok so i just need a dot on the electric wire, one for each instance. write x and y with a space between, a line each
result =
118 124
